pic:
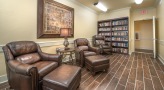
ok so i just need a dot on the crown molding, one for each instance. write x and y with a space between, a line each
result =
117 10
79 4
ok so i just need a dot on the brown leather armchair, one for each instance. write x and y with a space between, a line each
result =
83 49
26 64
99 41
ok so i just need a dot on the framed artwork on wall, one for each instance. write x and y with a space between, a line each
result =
53 16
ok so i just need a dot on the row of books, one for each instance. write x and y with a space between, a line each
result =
105 34
120 22
104 29
120 50
108 43
120 44
104 24
114 34
119 39
108 39
120 28
120 33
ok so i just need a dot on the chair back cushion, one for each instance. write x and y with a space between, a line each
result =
22 47
82 42
100 42
99 37
28 58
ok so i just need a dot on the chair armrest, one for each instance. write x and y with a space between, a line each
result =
22 68
78 50
94 49
51 57
78 53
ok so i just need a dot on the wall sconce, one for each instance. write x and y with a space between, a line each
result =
65 32
100 6
138 1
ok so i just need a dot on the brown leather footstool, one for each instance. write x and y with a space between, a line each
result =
65 77
97 63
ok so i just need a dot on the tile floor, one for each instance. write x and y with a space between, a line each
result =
127 72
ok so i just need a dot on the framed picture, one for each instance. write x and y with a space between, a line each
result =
51 17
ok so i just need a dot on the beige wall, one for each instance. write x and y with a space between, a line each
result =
160 45
18 20
136 16
124 12
145 30
2 66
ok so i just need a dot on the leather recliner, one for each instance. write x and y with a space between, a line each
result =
99 41
26 64
83 49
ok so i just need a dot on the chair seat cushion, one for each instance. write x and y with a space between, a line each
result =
89 53
45 67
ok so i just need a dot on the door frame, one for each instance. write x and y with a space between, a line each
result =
134 29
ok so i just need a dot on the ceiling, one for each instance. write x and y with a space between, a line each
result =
117 4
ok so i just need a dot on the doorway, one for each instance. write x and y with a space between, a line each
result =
143 30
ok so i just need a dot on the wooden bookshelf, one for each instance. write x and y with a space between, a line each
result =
116 33
104 29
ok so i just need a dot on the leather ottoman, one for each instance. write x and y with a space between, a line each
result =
97 63
65 77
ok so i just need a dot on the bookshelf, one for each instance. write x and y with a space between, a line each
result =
116 33
104 29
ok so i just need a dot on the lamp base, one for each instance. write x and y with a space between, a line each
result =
66 43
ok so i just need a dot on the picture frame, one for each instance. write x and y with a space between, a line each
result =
51 17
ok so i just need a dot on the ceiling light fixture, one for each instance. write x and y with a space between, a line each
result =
138 1
100 6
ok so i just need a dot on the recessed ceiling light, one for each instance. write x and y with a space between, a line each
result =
138 1
100 6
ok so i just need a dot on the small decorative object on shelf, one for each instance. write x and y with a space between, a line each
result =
115 32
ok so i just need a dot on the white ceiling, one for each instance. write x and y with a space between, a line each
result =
117 4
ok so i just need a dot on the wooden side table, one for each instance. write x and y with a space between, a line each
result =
65 53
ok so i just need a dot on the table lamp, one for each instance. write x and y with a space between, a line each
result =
65 32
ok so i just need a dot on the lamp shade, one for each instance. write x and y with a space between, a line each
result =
138 1
65 32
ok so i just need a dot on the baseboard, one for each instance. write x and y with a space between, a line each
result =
161 59
3 79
